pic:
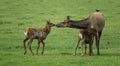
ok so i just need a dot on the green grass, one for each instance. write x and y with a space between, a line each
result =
15 15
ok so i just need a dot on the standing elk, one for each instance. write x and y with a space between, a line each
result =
93 24
83 37
36 33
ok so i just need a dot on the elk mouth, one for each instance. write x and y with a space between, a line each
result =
54 25
58 26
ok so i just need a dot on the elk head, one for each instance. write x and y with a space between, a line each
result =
50 24
65 23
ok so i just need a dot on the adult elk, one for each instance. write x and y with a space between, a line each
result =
37 33
93 24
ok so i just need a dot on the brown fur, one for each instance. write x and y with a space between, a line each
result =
82 36
93 24
37 33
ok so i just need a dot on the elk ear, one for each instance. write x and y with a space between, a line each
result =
97 10
48 21
68 17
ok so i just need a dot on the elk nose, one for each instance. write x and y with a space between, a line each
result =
53 24
57 25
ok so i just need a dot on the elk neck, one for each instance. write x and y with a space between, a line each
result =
81 24
47 29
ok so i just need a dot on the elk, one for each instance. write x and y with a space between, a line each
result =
36 33
82 36
93 24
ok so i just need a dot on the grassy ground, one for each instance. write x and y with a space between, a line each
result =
15 15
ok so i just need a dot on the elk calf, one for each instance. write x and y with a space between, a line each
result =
84 38
36 33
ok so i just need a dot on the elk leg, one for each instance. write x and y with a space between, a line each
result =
90 45
100 33
90 50
24 42
43 47
77 44
29 44
97 43
85 43
83 50
38 47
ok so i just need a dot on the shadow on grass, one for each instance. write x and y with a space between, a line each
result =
20 24
66 53
5 22
110 54
107 54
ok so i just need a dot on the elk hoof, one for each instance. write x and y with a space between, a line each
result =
32 54
74 54
36 53
91 54
24 53
42 53
98 53
82 54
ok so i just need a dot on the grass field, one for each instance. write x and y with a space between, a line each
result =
15 15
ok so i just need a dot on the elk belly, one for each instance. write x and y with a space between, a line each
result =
41 34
